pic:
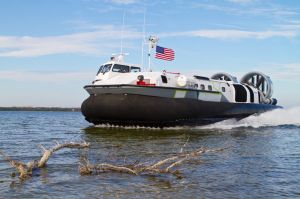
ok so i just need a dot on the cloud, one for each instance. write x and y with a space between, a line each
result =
100 42
124 1
113 1
232 34
100 39
242 1
93 42
262 9
290 25
289 71
45 76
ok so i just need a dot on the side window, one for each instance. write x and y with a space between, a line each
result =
196 86
134 69
164 79
120 68
209 87
202 87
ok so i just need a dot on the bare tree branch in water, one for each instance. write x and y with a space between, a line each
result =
25 170
48 152
166 165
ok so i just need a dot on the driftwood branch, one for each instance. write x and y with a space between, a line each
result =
20 166
25 170
166 165
48 152
110 167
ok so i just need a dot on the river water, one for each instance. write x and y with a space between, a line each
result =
262 161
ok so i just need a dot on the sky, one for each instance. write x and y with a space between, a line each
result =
50 49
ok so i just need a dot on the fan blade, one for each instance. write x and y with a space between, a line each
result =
259 81
252 80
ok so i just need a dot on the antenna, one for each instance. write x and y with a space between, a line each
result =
122 32
143 38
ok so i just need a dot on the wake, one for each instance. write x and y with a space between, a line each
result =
278 117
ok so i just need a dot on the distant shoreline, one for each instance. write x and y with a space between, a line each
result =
39 109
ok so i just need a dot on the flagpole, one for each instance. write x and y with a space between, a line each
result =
152 43
149 57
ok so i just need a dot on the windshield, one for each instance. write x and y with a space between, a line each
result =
120 68
135 69
99 70
105 68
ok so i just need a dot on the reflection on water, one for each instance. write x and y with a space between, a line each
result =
261 162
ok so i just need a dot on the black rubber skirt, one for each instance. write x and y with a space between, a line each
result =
131 110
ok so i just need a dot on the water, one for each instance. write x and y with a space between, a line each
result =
263 160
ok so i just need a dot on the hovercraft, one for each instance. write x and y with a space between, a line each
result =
124 95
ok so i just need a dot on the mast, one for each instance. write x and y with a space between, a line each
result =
122 32
143 38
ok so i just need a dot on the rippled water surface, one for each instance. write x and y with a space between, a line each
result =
262 161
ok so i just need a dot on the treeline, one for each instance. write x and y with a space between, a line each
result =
39 109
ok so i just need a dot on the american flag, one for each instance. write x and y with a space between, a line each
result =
164 53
